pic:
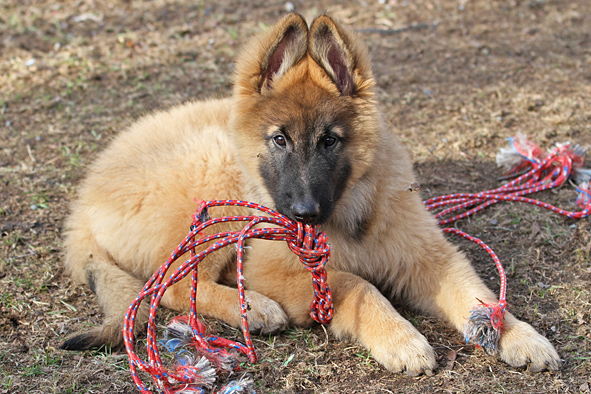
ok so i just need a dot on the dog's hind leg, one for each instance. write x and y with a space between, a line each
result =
87 262
115 289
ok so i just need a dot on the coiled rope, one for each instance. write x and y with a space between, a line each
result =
306 241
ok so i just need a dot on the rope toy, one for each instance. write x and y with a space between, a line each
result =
534 171
194 374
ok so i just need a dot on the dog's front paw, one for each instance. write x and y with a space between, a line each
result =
520 345
265 316
406 351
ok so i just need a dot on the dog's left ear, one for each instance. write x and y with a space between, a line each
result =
341 54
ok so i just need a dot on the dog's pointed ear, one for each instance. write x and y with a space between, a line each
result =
342 56
266 60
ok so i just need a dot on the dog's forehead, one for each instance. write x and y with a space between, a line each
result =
306 109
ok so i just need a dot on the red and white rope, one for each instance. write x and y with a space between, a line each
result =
309 244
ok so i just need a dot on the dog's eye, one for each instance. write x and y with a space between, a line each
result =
280 141
329 141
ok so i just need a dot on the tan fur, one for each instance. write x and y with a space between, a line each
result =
136 204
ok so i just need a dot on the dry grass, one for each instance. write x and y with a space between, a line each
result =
453 87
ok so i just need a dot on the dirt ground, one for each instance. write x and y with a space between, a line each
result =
455 78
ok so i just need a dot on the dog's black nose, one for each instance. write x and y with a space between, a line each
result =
305 211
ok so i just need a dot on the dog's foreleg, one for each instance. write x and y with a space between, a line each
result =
265 316
455 288
360 311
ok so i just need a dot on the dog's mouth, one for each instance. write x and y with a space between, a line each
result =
313 217
313 221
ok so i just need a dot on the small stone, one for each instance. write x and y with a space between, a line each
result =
289 6
30 62
34 207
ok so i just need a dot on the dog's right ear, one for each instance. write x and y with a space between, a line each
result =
268 58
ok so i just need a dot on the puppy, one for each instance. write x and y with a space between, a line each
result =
300 134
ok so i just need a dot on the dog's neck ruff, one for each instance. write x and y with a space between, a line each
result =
306 241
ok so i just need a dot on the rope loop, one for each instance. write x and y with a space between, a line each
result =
306 241
314 252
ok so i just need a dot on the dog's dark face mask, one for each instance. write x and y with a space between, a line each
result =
305 167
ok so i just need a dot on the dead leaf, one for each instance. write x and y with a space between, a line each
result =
451 358
535 229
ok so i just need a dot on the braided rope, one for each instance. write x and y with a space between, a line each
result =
548 171
309 244
484 324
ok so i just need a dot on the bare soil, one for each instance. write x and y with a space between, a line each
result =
455 79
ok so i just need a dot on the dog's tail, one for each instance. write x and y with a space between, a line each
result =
107 337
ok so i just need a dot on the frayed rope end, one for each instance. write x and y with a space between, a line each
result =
197 371
584 199
178 334
485 325
521 153
245 385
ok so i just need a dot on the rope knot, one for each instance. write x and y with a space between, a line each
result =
310 245
313 250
